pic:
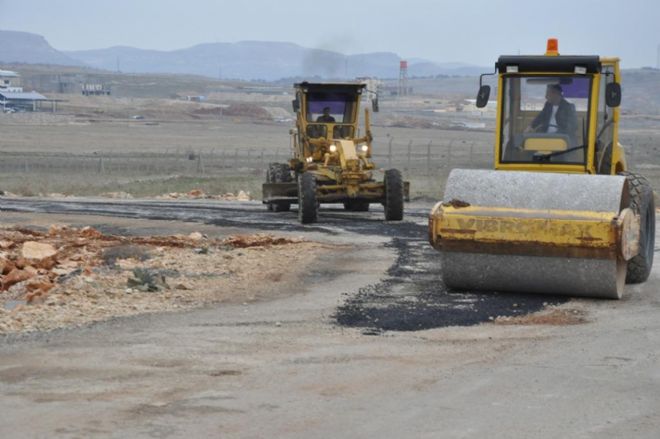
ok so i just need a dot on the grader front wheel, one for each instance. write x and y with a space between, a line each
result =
393 195
307 205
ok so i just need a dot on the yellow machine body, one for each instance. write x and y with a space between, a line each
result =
544 221
332 148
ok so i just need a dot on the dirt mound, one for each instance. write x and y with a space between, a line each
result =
236 110
245 241
69 276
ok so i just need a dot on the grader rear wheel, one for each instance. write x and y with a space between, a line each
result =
393 195
307 205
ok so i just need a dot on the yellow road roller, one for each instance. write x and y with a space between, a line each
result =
561 213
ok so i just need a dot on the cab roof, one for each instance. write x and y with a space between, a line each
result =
336 87
550 64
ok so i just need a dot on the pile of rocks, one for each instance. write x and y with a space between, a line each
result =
70 276
198 194
33 262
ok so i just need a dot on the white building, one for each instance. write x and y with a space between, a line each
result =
9 81
13 98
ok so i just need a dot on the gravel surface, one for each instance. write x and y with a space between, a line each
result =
287 368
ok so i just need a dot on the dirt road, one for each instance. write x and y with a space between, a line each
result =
367 345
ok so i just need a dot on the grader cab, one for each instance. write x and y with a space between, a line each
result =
331 161
561 213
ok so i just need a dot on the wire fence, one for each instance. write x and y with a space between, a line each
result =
426 163
411 157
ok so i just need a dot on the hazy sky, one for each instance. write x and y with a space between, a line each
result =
470 31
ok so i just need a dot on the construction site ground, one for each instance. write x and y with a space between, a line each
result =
337 329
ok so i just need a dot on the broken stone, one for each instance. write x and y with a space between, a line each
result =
6 266
47 263
90 232
36 297
32 270
196 193
182 286
56 229
243 196
39 284
14 277
196 236
37 250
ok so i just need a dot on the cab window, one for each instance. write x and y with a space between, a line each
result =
330 107
544 119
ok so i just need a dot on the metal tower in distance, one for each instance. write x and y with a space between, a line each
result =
403 78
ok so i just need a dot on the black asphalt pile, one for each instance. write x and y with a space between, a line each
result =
413 297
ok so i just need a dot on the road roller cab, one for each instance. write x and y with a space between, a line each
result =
530 226
557 113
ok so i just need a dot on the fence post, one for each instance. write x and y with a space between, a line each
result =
409 155
451 142
428 158
236 158
389 153
200 167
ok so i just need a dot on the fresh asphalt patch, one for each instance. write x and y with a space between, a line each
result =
413 296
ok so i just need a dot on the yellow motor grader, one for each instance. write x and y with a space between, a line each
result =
331 162
561 213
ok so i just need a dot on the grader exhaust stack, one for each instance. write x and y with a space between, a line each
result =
543 222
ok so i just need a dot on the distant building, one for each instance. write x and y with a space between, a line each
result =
8 80
372 90
95 90
13 98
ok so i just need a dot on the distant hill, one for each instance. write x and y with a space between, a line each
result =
257 60
27 48
246 60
